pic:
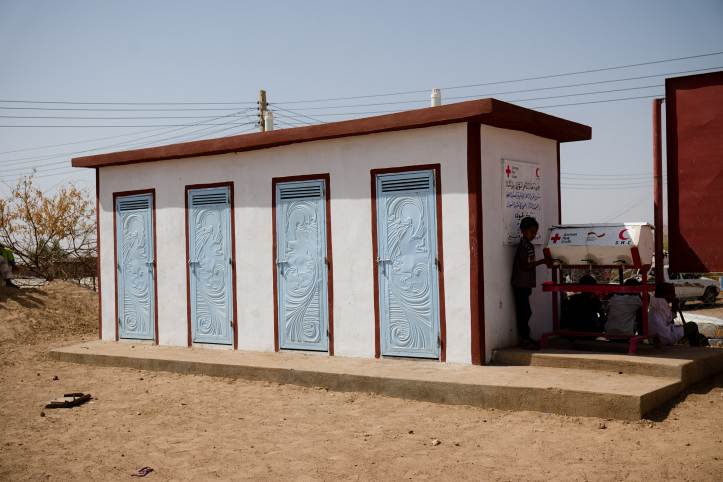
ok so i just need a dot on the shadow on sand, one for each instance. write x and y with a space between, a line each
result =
25 297
701 388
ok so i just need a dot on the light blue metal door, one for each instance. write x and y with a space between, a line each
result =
135 263
210 265
301 265
407 264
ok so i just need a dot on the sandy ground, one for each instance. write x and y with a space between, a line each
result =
203 428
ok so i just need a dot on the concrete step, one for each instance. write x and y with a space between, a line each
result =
568 391
686 364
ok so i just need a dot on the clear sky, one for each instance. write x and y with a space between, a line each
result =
225 51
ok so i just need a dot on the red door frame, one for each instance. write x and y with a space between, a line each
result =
189 187
330 266
440 251
98 250
116 195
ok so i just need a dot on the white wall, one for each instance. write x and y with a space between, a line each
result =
348 161
498 144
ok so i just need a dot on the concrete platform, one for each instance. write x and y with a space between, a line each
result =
568 391
688 365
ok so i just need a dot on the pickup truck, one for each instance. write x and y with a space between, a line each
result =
690 286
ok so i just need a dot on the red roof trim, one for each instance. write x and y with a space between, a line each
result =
487 111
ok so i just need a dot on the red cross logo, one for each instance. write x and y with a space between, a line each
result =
508 170
555 238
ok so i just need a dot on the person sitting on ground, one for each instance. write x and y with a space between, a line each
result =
661 319
625 311
583 310
7 263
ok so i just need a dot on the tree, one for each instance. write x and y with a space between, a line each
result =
46 231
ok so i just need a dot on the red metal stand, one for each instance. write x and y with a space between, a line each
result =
556 287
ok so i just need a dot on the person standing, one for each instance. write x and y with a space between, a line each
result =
7 263
524 279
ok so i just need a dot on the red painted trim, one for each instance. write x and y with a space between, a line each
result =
476 259
440 268
487 111
375 269
189 187
552 287
440 252
635 254
330 266
97 255
116 195
189 338
559 187
273 265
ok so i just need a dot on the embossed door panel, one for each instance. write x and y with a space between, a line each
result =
407 264
134 265
210 265
301 266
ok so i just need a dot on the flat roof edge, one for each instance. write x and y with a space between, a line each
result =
485 111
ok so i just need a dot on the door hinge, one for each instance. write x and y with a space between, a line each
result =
439 341
327 332
437 263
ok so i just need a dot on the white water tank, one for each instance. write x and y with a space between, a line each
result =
268 121
436 97
601 244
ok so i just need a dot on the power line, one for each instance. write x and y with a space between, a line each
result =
112 109
114 136
608 180
595 101
325 114
86 141
481 84
121 103
518 91
585 174
117 126
626 210
297 113
124 143
292 119
30 165
588 93
68 170
107 117
583 84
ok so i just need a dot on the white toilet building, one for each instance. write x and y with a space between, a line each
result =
383 236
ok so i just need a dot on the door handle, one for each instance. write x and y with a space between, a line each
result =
382 262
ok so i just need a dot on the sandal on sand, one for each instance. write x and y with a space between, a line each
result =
142 472
69 400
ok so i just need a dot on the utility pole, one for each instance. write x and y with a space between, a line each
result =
262 110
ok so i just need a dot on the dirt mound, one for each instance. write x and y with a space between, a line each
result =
55 310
